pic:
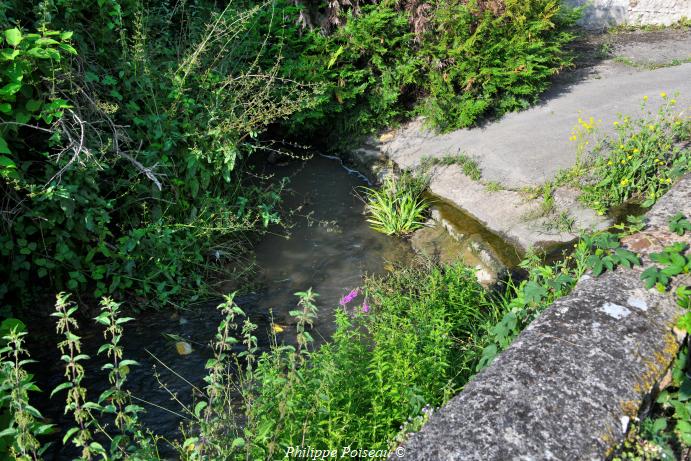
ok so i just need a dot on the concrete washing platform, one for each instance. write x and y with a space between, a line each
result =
524 150
571 383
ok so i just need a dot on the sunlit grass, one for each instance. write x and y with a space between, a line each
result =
397 207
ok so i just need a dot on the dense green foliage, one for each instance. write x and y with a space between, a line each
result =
665 433
122 146
411 342
403 345
125 133
408 345
491 60
453 62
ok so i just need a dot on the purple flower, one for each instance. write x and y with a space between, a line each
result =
349 297
365 306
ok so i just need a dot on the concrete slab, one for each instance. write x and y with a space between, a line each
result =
530 147
650 49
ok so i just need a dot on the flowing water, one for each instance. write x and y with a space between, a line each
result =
328 247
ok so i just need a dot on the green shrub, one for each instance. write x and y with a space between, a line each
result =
458 62
481 60
123 167
397 207
408 343
365 68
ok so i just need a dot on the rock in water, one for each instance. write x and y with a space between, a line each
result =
183 348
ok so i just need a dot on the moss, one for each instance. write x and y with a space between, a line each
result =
656 367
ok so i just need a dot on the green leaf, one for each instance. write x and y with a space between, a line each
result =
68 435
32 105
10 89
66 385
679 224
685 389
198 408
659 425
684 322
40 53
66 35
238 442
534 292
652 276
5 107
46 41
69 48
13 36
334 57
10 431
6 163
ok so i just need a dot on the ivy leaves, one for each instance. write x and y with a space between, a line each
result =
673 260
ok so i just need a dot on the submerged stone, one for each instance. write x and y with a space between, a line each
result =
183 348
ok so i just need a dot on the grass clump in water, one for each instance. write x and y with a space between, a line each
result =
398 207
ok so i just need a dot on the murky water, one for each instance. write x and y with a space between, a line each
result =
328 247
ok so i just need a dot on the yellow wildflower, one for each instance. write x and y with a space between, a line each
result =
610 163
635 151
616 123
673 101
621 146
629 157
669 181
663 95
645 98
624 181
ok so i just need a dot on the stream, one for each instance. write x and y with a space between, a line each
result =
328 246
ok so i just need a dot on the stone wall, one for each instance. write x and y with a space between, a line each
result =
571 383
601 14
